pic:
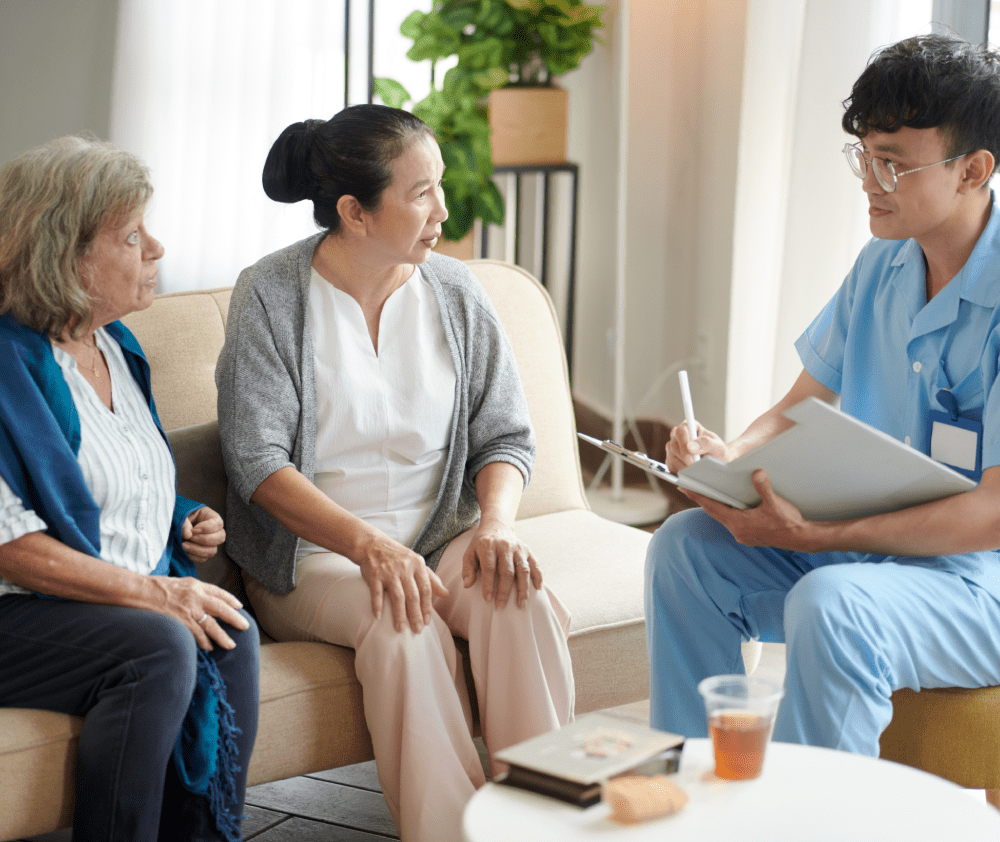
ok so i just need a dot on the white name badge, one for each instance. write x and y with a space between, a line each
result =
956 443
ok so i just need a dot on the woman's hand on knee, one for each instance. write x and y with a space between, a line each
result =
503 561
396 572
200 606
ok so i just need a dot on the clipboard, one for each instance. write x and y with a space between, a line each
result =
659 469
830 465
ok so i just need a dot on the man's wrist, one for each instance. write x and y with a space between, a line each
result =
822 536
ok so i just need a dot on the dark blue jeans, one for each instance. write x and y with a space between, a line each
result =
130 674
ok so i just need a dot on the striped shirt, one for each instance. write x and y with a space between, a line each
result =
125 462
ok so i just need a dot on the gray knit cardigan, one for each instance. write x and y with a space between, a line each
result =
267 404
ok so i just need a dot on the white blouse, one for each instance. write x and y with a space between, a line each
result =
383 419
125 462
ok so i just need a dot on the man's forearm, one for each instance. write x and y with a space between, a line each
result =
773 422
964 523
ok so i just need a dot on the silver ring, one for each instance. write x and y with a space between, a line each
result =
203 618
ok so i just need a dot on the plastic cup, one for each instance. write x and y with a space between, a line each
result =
741 711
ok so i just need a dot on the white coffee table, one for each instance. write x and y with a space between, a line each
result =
804 793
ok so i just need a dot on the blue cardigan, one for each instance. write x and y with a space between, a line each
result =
40 439
39 443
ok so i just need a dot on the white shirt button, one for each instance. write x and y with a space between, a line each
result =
917 366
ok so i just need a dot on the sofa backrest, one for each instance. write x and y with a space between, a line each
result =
182 334
530 320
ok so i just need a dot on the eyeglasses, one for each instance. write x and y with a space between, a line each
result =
885 171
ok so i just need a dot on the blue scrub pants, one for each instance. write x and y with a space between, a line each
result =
857 627
130 674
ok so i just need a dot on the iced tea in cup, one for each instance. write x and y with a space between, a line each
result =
741 711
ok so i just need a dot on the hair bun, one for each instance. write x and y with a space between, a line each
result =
288 175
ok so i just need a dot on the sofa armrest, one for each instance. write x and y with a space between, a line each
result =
201 476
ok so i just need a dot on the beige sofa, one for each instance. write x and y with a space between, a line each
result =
311 717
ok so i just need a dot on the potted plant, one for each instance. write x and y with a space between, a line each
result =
499 44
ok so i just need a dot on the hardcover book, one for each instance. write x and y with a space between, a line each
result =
573 762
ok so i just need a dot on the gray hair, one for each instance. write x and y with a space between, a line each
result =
54 200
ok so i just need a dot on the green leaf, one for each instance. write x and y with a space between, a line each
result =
497 17
411 26
461 218
459 15
495 41
391 92
490 204
480 55
490 80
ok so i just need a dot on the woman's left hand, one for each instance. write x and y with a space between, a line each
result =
203 532
504 562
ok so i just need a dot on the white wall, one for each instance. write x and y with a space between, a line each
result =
56 59
686 61
801 217
743 218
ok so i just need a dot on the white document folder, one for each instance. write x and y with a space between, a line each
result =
830 465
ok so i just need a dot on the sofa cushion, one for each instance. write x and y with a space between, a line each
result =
38 758
310 711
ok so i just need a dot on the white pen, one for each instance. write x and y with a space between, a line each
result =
688 407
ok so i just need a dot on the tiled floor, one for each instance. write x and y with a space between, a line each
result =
341 805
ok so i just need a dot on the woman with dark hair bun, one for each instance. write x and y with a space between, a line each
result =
377 441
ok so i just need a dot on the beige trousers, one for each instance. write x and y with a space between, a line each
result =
415 698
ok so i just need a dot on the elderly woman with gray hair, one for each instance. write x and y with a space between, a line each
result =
101 614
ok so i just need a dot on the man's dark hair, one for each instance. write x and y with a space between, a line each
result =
931 81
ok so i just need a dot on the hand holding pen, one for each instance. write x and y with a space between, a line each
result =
692 425
690 441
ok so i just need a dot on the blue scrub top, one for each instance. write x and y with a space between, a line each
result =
887 351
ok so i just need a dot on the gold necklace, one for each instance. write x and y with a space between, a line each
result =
93 362
92 368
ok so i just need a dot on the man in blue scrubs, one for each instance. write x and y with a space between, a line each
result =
912 337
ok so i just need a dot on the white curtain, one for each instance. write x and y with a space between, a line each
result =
800 214
202 88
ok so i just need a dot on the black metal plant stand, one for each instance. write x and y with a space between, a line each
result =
542 226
